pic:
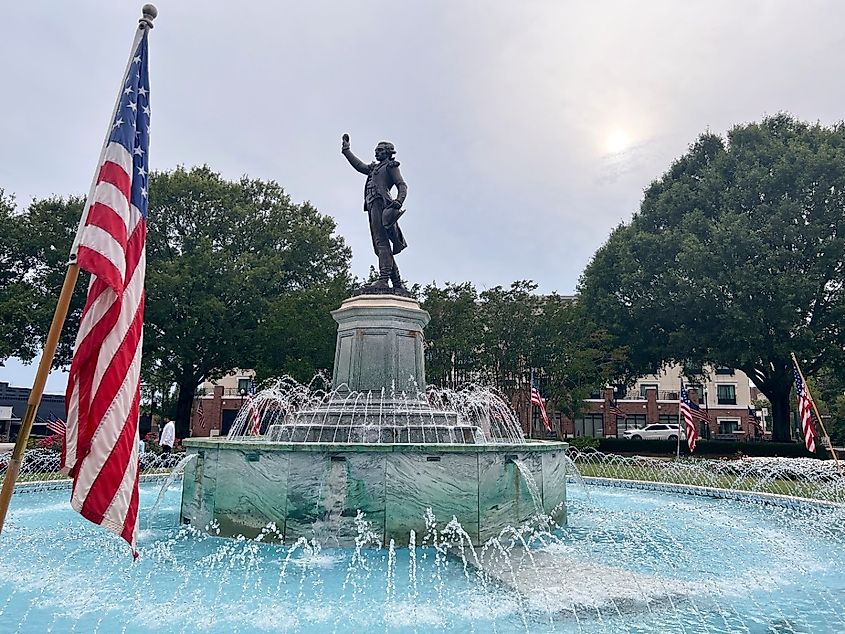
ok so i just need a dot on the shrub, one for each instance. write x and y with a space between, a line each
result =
54 442
705 448
584 442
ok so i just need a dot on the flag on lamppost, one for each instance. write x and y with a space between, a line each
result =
254 416
537 401
200 415
103 393
56 425
755 422
613 408
690 412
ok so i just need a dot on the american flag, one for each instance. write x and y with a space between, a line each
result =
254 416
613 408
805 409
690 412
537 401
755 422
200 415
104 383
56 425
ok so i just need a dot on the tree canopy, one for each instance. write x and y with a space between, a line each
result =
34 247
735 259
503 335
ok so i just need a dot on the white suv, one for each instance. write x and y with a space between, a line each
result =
655 431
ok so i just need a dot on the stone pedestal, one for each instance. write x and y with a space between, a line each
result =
379 382
380 345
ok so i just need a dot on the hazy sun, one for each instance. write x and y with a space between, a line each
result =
617 141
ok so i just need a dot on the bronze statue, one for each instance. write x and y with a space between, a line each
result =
383 209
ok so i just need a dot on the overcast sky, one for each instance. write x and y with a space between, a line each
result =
526 130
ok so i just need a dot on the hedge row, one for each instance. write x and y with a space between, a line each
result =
707 448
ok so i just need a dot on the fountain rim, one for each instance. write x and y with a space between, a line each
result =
530 445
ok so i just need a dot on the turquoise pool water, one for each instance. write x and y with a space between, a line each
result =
629 561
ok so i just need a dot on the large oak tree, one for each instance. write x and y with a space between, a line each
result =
735 258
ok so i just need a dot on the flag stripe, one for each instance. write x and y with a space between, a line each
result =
110 457
101 259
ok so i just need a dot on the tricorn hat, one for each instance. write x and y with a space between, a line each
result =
390 216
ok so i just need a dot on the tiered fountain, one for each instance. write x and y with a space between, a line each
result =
374 444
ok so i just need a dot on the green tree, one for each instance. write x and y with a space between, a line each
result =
231 269
579 357
34 247
510 320
453 337
505 334
735 258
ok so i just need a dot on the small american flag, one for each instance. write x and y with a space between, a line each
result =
254 416
755 422
613 408
537 401
103 393
200 415
690 412
805 409
56 425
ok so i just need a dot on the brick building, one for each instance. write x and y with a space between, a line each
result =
220 401
727 397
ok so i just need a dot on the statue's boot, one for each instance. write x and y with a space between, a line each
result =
395 279
385 265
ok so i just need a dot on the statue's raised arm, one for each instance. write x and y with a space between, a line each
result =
383 210
354 161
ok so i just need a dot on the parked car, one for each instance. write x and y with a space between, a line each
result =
655 431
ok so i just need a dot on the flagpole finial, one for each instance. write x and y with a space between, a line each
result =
148 14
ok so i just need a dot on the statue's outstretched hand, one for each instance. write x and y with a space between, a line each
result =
345 139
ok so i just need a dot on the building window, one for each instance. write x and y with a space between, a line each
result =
590 425
723 371
669 419
632 421
646 386
726 394
244 386
728 426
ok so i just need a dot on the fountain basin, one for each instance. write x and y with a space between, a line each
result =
317 489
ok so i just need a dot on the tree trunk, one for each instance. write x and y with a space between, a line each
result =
781 425
184 405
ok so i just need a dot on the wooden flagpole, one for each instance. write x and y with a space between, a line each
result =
818 416
148 13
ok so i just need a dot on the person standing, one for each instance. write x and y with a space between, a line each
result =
168 436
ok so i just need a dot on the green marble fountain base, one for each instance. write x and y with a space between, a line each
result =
316 489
